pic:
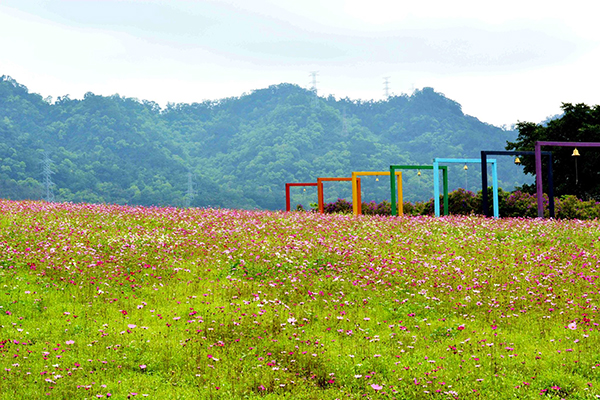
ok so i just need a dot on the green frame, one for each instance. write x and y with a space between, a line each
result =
393 169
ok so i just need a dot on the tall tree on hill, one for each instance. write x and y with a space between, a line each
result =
579 123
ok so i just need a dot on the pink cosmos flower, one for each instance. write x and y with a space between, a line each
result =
376 387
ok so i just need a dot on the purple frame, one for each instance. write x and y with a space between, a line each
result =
538 167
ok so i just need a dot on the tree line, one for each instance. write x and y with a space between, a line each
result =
240 151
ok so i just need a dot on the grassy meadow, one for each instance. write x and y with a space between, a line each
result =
117 302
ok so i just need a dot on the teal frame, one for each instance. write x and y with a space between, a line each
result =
436 177
393 169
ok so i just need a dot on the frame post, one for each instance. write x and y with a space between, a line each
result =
393 187
400 194
538 179
484 184
436 188
355 197
445 180
495 190
550 187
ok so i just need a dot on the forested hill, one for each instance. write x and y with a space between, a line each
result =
240 151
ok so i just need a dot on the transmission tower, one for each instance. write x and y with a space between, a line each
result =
191 193
313 88
344 123
47 178
386 86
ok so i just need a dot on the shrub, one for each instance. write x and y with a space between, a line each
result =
521 204
570 207
463 202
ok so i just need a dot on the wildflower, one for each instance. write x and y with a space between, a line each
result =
70 342
572 326
376 387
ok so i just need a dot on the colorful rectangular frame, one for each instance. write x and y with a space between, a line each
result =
320 189
484 177
287 192
436 179
538 167
356 192
393 169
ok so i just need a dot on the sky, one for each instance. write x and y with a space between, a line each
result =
504 62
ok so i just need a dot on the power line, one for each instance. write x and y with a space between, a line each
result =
313 88
47 178
344 123
386 86
191 193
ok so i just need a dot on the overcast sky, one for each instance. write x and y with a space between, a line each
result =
505 61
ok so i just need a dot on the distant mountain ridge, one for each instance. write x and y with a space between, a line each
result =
240 151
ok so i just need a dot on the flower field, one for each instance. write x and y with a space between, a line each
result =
119 302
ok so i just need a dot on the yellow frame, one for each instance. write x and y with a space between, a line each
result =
357 197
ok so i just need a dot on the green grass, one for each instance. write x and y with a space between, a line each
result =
219 304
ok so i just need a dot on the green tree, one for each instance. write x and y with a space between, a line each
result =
579 123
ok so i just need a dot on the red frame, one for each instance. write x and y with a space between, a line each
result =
287 192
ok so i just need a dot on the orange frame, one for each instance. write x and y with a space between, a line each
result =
356 192
320 189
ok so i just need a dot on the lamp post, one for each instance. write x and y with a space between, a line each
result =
576 154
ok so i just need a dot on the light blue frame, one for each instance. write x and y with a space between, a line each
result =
436 179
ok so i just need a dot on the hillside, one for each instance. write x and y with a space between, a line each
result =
240 151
